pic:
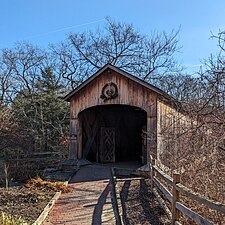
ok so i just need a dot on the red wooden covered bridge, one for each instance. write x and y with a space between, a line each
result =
114 117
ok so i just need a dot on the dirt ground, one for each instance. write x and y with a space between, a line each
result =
24 202
139 204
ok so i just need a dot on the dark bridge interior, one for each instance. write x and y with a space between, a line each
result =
113 133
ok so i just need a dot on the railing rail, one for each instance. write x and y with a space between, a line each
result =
173 198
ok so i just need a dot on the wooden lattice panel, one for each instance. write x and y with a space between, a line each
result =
107 150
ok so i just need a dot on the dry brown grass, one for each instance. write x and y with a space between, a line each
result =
43 185
195 149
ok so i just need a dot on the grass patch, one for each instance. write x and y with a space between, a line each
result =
11 220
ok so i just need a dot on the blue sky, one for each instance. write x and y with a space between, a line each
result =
48 21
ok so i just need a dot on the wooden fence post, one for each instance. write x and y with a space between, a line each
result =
175 212
152 173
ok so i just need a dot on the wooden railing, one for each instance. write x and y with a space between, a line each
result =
36 156
173 198
34 161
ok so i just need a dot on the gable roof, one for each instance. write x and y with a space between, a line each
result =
123 73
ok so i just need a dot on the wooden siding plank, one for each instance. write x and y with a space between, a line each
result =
130 93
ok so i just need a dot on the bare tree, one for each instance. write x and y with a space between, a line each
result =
11 134
26 75
25 62
6 82
192 141
121 45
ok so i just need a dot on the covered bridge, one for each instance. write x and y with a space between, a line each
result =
114 116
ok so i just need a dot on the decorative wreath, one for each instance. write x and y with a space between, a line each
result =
109 91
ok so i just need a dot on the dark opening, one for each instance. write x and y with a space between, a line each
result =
125 122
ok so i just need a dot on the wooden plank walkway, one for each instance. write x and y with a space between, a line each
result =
88 202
